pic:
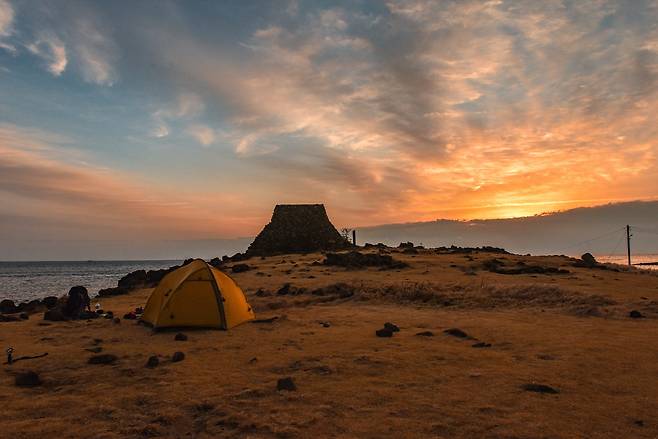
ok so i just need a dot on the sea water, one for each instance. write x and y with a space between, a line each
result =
21 281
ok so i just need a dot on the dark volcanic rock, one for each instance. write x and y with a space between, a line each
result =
357 260
406 245
539 388
635 314
297 228
481 344
456 332
215 262
27 379
50 301
103 359
152 362
153 277
180 337
498 266
286 384
133 280
31 306
109 292
379 245
384 332
284 290
178 356
468 250
7 306
426 334
589 260
6 318
240 268
392 327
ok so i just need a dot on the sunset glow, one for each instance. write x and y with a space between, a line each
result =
190 120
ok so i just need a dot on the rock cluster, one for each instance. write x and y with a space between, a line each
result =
139 279
297 228
357 260
8 306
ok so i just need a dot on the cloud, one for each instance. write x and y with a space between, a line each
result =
41 176
6 25
96 53
186 107
6 18
202 133
53 51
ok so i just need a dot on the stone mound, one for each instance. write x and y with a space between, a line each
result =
297 228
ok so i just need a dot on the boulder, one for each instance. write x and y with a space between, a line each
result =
384 332
635 314
153 277
456 332
133 280
286 384
178 356
180 337
589 260
539 388
152 362
31 306
215 262
7 318
7 306
115 291
297 228
50 302
391 327
240 268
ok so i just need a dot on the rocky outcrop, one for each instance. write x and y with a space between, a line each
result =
297 228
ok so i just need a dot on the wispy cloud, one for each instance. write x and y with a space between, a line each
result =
202 133
41 174
53 51
6 25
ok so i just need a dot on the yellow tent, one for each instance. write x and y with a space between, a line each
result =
197 294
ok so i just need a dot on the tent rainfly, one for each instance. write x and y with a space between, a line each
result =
197 294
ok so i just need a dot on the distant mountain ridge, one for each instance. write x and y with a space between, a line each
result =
565 232
569 232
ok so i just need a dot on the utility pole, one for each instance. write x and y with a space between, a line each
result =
354 236
628 243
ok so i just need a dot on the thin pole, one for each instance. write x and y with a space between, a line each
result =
354 236
628 243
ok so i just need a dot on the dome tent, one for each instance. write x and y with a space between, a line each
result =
197 294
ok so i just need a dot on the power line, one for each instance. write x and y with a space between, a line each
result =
596 238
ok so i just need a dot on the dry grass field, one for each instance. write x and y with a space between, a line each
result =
569 331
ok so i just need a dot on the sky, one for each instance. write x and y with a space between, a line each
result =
156 120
